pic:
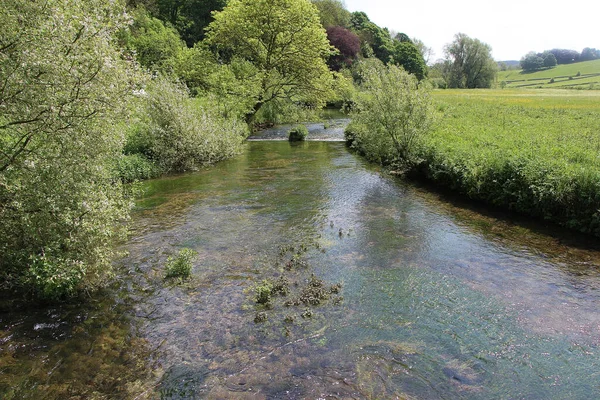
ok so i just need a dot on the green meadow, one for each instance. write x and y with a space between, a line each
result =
578 75
531 151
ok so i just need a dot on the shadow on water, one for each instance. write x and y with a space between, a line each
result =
439 301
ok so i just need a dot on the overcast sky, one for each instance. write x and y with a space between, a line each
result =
511 27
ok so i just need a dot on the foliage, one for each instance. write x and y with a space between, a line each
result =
471 63
189 17
531 152
298 133
64 89
284 41
532 62
565 56
332 13
135 167
550 60
153 43
375 41
263 292
348 45
392 116
407 55
184 135
181 265
589 54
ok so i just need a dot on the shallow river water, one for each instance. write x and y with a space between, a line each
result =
437 300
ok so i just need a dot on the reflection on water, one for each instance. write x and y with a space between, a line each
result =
439 302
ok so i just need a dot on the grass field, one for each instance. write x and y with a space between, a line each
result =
581 74
535 152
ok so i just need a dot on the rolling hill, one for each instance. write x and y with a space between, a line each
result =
580 74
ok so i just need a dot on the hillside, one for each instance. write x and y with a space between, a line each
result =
567 75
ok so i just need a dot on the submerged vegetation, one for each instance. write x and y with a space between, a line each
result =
181 265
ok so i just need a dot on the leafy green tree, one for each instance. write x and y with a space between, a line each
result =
588 54
63 97
190 17
550 60
392 115
375 41
472 65
284 41
532 62
332 13
402 37
407 55
154 44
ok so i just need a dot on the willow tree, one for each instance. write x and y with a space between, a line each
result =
286 44
63 90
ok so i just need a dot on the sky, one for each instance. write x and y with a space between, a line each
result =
512 28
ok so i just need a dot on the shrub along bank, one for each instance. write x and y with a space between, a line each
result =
535 153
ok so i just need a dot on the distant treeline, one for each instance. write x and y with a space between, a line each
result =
533 61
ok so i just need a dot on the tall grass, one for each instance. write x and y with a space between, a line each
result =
536 153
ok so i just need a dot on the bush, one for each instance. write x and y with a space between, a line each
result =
65 89
183 134
392 116
298 133
135 167
181 265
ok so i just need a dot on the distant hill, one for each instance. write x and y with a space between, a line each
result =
565 75
510 63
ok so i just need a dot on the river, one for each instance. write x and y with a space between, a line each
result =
438 300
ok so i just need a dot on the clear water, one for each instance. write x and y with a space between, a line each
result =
439 301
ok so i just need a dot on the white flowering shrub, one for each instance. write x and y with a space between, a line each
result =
63 91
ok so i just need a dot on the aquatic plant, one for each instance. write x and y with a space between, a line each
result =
181 265
298 133
263 292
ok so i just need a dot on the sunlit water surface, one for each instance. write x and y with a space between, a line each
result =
438 301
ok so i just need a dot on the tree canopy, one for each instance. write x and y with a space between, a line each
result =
332 13
471 63
348 45
285 42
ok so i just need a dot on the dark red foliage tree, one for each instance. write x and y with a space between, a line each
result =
348 44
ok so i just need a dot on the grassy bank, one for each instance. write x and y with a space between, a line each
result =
534 152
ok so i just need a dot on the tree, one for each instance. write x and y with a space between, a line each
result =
532 62
549 60
332 13
190 17
426 52
564 56
154 44
63 96
408 56
588 54
348 45
402 37
393 113
373 38
472 65
285 42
